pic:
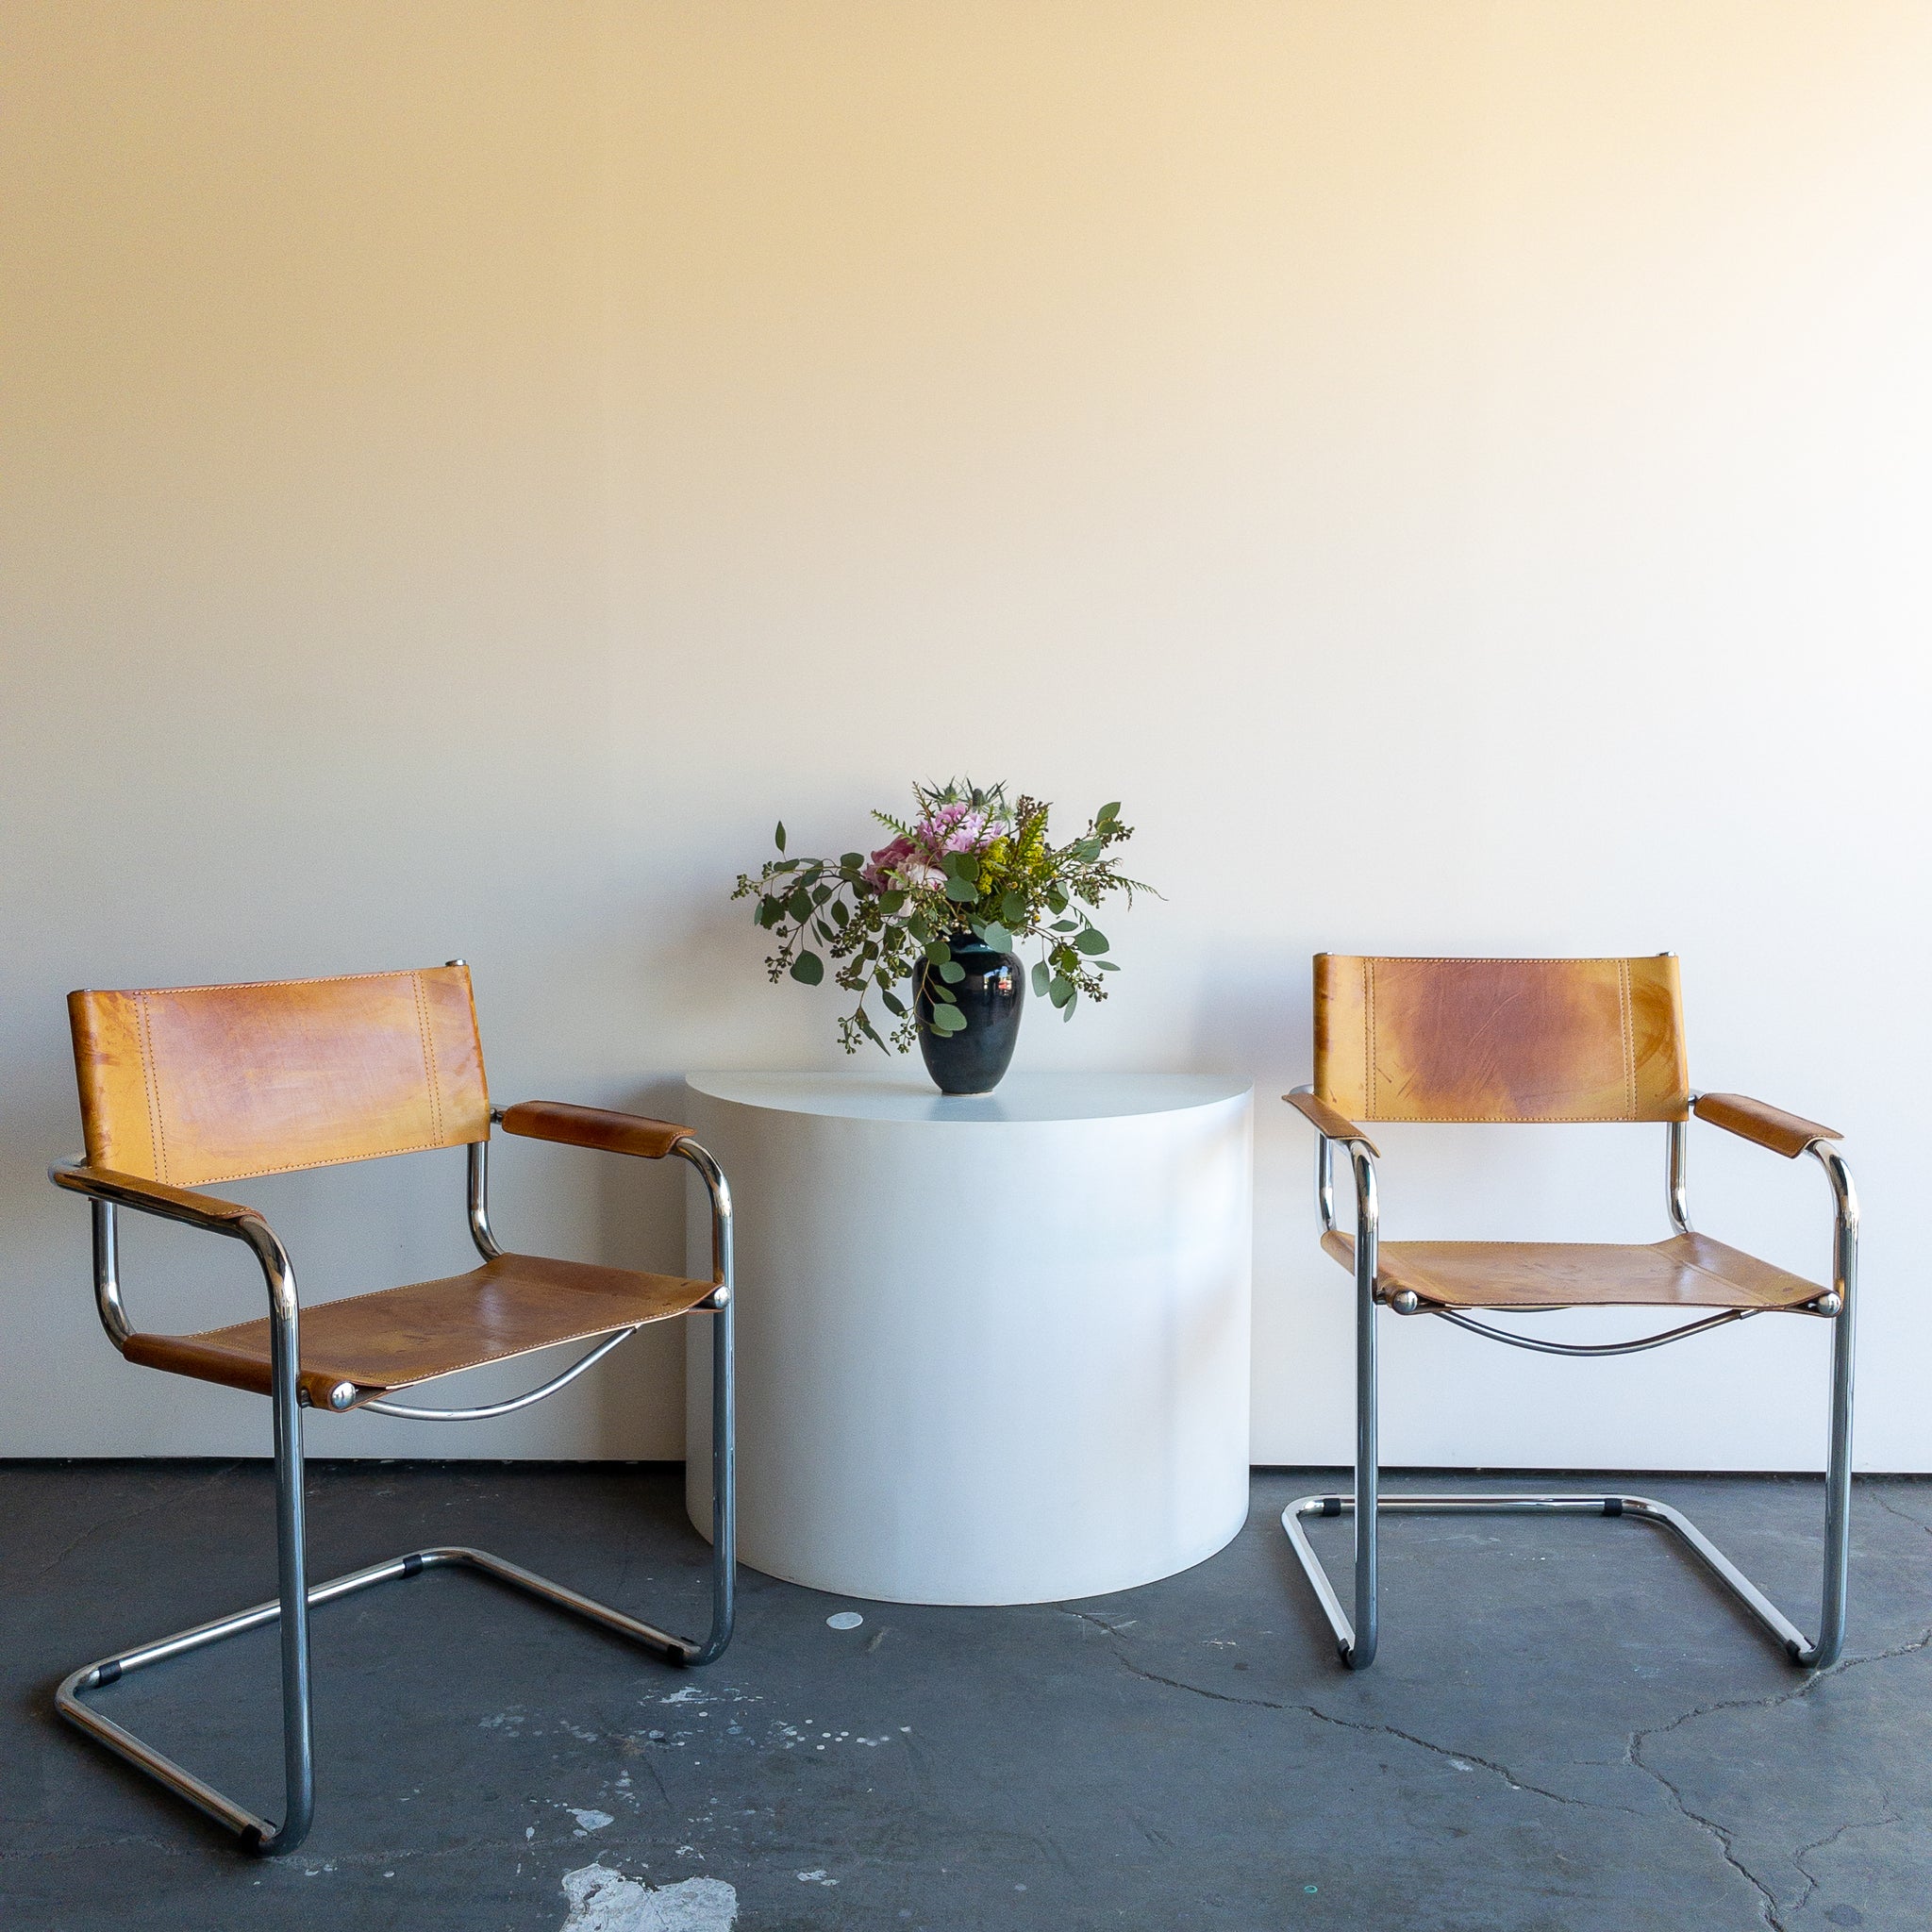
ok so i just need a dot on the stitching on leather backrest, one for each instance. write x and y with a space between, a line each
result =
1627 1020
157 1119
158 1116
428 1056
1368 1037
253 985
250 1174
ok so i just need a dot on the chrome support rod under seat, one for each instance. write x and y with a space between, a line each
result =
1591 1348
382 1406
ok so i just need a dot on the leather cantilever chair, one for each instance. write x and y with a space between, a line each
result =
198 1085
1548 1040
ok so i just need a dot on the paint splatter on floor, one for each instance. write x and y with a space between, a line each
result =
602 1900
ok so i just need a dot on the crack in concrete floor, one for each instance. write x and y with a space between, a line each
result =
1773 1917
1363 1725
1721 1837
116 1520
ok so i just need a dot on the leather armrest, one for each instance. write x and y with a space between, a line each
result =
593 1126
1784 1133
153 1197
1330 1123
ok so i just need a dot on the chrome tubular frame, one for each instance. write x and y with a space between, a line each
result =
1356 1639
296 1597
486 1243
483 1414
1538 1345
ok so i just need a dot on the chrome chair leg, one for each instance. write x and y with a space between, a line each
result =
289 1609
1357 1645
292 1608
292 1579
1838 1475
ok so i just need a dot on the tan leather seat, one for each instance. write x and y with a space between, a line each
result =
512 1305
1689 1271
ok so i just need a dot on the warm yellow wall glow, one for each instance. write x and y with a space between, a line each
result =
1458 472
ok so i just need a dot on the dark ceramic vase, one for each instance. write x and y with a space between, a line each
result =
975 1059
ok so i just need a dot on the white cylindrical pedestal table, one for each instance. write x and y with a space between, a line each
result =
989 1349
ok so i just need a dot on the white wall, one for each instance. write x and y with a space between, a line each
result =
1459 474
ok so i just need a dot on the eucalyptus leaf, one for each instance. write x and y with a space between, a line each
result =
780 835
1061 989
808 969
1107 813
938 951
850 861
1091 941
940 994
894 1005
891 902
1064 926
1040 976
1013 910
799 906
1106 966
950 971
997 937
947 1020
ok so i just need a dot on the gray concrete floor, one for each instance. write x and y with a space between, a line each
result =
1568 1730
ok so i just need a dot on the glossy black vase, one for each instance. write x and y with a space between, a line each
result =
975 1059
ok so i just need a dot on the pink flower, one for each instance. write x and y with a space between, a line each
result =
959 828
914 861
898 862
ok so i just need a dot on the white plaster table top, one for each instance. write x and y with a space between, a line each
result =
1019 1097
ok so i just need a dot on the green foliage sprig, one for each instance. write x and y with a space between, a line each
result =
967 862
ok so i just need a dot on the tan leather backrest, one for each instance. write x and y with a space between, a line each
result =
1501 1040
194 1084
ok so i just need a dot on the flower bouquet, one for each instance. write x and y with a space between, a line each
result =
945 902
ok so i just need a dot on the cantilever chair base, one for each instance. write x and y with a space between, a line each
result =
1789 1638
260 1834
